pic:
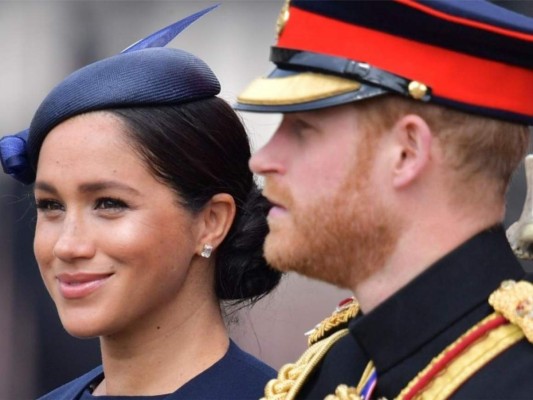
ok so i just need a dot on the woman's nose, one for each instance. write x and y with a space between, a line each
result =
74 241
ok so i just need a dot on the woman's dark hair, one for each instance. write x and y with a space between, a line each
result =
200 149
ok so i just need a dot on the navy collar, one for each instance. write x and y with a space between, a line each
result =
450 290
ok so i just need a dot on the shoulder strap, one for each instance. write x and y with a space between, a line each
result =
292 376
512 321
345 311
514 300
462 359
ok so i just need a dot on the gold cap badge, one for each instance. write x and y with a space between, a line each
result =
283 17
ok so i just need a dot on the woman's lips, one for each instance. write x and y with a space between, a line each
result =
77 286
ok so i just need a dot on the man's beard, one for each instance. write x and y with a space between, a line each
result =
341 239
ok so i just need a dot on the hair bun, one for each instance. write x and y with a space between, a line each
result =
242 272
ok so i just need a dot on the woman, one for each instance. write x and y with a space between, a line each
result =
147 218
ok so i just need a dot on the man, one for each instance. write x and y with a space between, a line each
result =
403 122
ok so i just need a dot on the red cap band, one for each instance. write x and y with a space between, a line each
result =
455 76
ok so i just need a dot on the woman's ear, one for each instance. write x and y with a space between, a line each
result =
413 140
217 217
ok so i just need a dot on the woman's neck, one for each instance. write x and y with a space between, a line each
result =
159 357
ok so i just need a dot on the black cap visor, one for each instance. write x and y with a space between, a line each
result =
285 91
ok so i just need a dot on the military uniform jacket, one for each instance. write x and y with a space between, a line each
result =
237 376
406 332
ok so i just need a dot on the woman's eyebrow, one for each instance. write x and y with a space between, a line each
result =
103 185
45 187
89 187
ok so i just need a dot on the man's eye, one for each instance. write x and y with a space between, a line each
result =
300 128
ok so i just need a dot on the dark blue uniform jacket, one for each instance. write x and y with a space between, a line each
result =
404 333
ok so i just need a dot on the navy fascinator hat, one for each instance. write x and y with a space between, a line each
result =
144 74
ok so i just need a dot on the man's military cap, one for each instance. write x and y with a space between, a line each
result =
469 55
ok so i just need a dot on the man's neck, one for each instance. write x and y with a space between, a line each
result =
417 249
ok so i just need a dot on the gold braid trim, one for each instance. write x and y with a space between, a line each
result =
365 377
340 316
466 364
514 300
345 392
291 377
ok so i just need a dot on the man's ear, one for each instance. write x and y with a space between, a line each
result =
217 217
413 140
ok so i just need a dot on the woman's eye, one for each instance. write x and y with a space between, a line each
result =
49 205
108 203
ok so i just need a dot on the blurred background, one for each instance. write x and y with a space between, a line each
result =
41 42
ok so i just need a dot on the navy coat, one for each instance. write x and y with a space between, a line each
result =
237 376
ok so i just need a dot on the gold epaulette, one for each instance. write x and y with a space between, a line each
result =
514 300
292 376
510 323
344 312
462 359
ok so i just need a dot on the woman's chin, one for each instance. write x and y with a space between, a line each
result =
81 328
81 333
